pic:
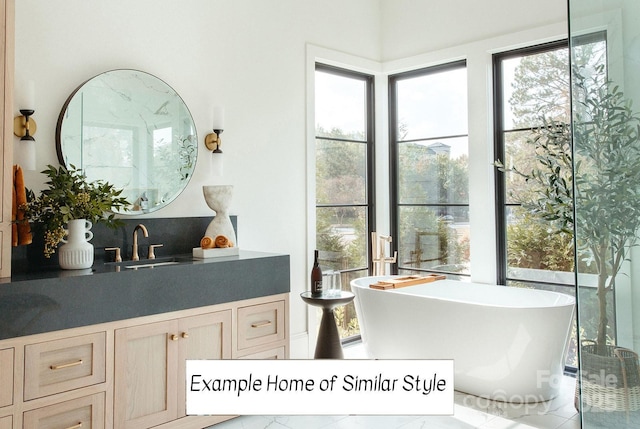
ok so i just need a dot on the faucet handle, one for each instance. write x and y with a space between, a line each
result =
117 250
152 254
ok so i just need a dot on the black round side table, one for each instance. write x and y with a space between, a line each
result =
328 344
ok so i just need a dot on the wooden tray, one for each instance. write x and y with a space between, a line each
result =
398 282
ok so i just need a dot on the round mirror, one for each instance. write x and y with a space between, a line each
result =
131 129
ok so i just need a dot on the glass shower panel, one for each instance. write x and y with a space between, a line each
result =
605 55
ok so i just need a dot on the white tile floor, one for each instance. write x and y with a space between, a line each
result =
469 412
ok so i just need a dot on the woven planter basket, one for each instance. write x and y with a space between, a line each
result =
610 382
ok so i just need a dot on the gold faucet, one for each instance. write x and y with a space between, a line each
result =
135 256
377 251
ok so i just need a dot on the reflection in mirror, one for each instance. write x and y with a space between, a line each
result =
133 130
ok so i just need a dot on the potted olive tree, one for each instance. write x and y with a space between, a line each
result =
601 175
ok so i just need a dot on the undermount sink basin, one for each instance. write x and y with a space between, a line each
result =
151 264
147 263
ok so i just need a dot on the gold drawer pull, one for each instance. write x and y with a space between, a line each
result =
185 335
79 425
261 324
174 337
66 365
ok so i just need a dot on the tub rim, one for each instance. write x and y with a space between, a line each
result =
570 301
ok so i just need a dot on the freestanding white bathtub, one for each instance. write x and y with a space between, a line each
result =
507 343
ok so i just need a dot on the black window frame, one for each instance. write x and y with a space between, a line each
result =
500 197
370 204
394 203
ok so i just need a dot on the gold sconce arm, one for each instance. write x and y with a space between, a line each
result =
213 141
24 126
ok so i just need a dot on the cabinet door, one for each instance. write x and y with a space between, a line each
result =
146 364
207 336
6 377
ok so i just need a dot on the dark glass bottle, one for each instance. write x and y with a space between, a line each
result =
316 277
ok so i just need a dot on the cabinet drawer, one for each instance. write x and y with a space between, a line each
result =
260 324
277 353
65 364
84 413
6 377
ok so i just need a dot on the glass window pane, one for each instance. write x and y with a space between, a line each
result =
341 172
536 251
432 105
433 171
519 154
346 317
434 238
340 106
341 237
535 86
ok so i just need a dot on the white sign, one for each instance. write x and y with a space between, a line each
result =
314 387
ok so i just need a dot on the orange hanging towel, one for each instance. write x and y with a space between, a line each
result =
20 228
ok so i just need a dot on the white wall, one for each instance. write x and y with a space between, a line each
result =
413 27
248 56
251 57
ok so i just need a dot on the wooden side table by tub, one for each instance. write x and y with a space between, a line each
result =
328 344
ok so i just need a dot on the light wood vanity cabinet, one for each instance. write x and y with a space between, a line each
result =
150 358
131 373
150 369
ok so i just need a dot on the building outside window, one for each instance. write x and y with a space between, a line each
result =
344 179
429 169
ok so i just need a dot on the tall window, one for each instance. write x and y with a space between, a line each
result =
344 178
532 91
532 88
429 155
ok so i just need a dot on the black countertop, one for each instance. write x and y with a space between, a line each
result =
47 300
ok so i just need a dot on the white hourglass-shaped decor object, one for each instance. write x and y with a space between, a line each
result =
218 198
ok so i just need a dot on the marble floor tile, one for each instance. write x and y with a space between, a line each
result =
308 422
371 422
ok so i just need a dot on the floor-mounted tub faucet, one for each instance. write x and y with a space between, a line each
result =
378 245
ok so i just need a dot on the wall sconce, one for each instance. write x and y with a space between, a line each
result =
25 127
213 141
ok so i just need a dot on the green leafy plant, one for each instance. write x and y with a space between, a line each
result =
531 245
69 196
604 168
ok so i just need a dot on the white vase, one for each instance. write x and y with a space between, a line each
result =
218 198
76 253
